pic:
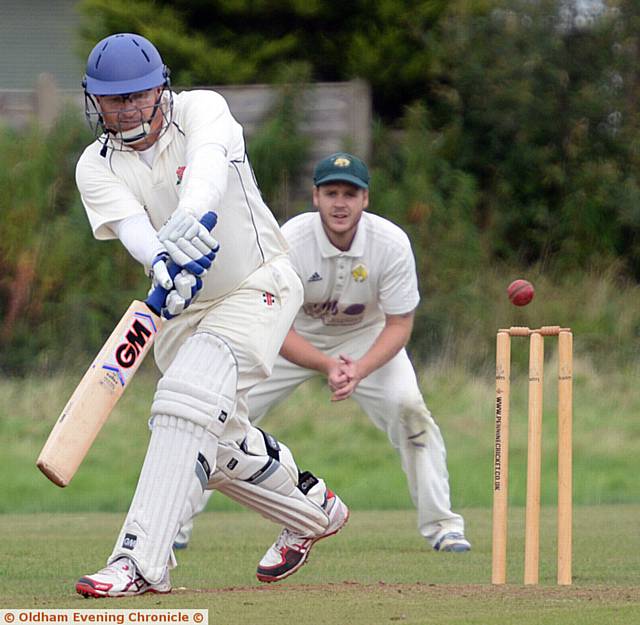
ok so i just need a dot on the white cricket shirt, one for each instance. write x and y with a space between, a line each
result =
122 184
351 290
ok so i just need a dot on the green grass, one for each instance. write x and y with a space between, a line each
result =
376 571
338 442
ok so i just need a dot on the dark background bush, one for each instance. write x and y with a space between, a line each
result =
506 143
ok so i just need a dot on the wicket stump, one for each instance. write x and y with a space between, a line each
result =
534 452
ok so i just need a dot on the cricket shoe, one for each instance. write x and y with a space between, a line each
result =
120 579
290 551
453 542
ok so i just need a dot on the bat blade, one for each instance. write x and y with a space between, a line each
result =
97 393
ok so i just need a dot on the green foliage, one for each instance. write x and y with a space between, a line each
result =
278 150
59 291
415 185
195 59
538 113
462 275
531 108
517 154
231 41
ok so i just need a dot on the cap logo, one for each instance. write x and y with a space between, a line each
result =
341 161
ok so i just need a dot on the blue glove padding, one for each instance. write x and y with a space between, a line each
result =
186 288
169 303
160 272
159 296
189 242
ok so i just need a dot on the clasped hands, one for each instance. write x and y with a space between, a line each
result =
343 377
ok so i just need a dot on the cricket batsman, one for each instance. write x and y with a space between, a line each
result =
160 161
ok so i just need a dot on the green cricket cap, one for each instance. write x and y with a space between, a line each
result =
341 167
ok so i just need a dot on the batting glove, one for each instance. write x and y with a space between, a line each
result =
160 272
186 289
188 242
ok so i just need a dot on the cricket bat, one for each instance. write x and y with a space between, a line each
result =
104 383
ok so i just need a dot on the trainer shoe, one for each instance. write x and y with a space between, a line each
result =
120 579
454 542
290 551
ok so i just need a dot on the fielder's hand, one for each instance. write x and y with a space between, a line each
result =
336 378
188 242
349 368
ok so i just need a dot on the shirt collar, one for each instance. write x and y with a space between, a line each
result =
328 250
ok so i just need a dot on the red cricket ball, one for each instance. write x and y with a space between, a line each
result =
520 292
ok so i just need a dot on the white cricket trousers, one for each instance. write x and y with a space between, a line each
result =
253 320
390 396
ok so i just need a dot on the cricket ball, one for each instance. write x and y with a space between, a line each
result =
520 292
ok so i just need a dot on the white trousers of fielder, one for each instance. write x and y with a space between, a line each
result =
390 396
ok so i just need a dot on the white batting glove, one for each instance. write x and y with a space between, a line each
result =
189 243
186 289
160 273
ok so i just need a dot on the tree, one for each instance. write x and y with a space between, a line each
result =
537 110
237 41
535 104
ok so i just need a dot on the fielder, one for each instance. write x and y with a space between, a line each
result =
160 161
360 294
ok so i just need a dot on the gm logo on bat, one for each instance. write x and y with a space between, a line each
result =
134 342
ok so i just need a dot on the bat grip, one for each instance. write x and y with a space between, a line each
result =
156 299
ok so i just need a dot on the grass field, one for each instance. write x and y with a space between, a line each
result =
378 570
338 442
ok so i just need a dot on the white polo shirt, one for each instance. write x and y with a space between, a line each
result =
352 290
122 184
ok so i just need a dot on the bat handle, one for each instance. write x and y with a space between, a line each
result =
157 297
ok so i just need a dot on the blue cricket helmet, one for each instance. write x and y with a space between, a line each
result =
124 63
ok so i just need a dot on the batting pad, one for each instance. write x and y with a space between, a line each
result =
267 485
197 392
169 488
200 384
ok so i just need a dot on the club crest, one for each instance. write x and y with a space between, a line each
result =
360 273
341 161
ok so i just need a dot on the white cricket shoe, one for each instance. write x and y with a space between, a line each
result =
119 579
453 542
290 551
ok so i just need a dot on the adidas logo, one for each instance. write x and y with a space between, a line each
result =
316 277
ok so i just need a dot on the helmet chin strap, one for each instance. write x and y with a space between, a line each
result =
134 135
